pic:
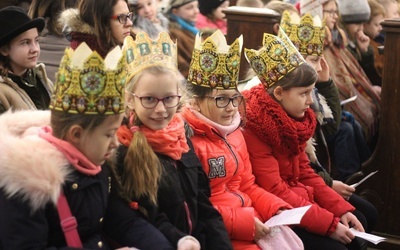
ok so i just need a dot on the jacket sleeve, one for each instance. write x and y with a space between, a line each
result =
216 233
330 92
266 169
127 227
265 203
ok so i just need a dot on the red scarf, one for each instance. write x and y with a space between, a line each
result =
170 141
73 155
269 121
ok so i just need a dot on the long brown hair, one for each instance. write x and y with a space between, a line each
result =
97 14
142 168
50 10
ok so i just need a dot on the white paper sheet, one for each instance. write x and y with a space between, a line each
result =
288 217
366 236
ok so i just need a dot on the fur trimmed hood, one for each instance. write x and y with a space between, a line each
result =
30 167
72 22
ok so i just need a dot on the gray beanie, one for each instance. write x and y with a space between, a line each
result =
354 11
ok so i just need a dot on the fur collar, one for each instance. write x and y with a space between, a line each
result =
267 119
72 22
30 167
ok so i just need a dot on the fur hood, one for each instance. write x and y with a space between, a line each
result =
30 167
72 22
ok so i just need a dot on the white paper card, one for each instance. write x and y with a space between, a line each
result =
366 236
363 179
348 100
288 217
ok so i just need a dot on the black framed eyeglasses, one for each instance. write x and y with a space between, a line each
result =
123 18
149 102
223 101
332 12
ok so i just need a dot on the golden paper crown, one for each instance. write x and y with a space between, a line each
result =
214 63
307 34
274 60
145 52
88 84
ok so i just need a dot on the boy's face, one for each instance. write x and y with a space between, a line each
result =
23 51
373 28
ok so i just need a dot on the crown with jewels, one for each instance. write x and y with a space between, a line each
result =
88 84
306 33
275 59
214 63
145 52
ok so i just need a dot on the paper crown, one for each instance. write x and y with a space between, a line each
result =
307 34
275 59
88 84
214 63
145 52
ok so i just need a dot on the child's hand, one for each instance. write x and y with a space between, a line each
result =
343 189
261 229
188 243
350 220
342 234
362 41
323 75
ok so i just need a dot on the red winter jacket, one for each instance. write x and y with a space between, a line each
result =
233 190
276 145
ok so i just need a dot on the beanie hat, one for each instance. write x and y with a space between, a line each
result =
207 6
178 3
354 11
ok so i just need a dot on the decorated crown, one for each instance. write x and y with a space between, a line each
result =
145 52
307 34
275 59
88 84
214 63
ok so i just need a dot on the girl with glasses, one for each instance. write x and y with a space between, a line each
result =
102 24
213 114
160 173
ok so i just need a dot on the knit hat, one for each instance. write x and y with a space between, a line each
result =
354 11
207 6
15 21
178 3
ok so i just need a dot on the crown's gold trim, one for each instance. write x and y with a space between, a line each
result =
145 52
88 84
214 63
306 33
274 60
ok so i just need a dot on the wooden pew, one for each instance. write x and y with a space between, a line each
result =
252 23
382 189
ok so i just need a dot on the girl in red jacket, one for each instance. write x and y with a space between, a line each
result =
279 122
218 142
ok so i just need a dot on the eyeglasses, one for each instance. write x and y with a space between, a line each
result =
332 12
149 102
223 101
123 18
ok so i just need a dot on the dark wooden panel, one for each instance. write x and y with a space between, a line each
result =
252 23
384 187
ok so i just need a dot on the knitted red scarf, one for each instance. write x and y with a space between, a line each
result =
268 120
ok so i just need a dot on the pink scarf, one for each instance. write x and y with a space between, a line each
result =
73 155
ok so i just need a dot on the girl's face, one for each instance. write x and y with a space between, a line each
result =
213 108
98 145
120 30
147 9
148 89
295 101
315 62
373 28
217 13
23 51
330 14
188 12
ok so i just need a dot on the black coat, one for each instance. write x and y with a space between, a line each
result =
184 193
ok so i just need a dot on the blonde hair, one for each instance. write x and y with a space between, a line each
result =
376 9
280 6
142 168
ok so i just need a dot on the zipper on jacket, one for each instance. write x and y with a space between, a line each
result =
238 195
231 150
